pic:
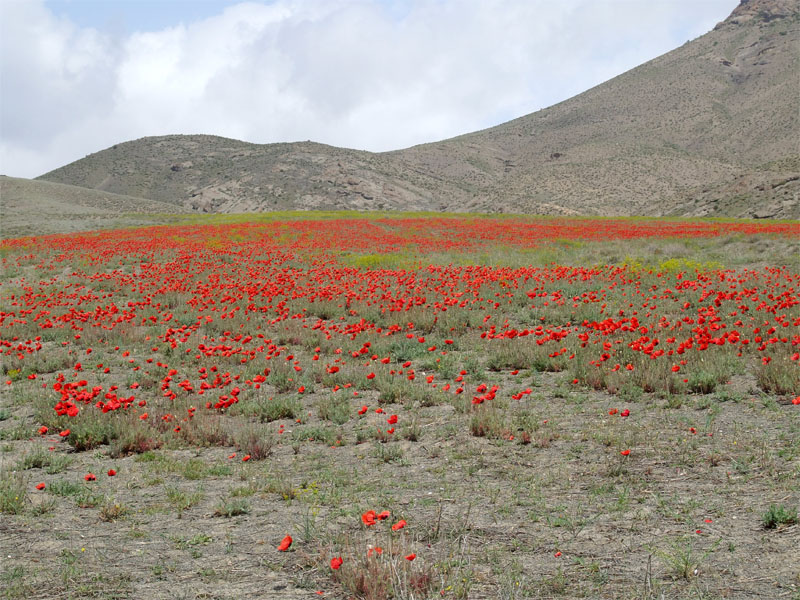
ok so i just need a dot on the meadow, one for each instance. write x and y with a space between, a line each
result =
402 406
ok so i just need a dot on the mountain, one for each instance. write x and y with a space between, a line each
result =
709 129
32 207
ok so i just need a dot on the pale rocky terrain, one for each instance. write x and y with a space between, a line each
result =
42 207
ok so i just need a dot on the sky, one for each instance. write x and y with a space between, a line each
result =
78 76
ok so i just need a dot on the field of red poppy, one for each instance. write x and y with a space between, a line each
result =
390 406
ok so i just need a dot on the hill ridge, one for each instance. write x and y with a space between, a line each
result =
710 128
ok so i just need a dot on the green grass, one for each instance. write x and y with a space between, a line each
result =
40 458
13 493
232 507
778 514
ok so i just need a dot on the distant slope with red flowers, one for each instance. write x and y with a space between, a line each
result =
709 129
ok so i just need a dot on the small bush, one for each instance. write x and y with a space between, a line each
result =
111 511
380 574
273 409
780 376
232 507
182 500
682 557
399 390
86 498
283 378
318 433
778 515
489 422
40 458
12 493
335 409
135 442
64 488
90 431
19 432
388 453
205 429
411 431
255 441
702 382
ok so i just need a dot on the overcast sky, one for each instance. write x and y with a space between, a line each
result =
77 76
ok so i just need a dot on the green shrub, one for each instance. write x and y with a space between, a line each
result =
335 409
256 442
778 515
13 493
272 409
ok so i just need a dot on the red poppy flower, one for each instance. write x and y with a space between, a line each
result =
625 413
796 401
411 556
90 477
371 376
285 543
557 554
64 433
384 515
245 458
625 452
111 472
40 486
369 518
336 562
362 410
399 525
43 430
392 420
613 411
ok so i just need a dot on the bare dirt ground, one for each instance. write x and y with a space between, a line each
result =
681 516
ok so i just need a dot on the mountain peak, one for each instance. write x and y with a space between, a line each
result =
761 11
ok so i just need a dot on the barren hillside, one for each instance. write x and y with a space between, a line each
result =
709 129
42 207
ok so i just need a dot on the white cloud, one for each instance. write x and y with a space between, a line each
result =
366 74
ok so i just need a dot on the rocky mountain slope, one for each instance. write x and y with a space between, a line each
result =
709 129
